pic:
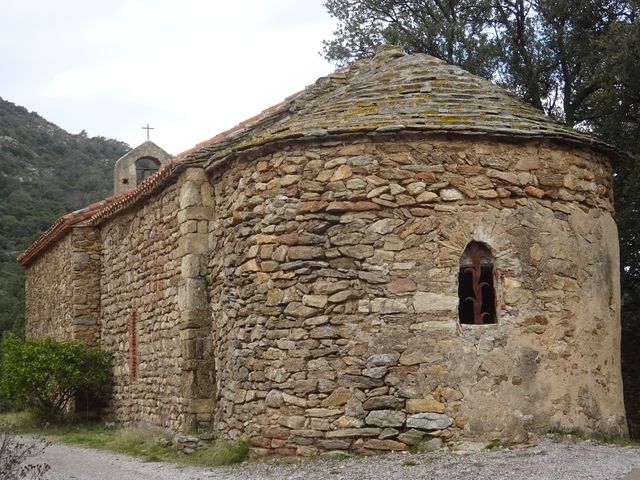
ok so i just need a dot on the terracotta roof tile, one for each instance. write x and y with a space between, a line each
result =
56 231
129 197
93 213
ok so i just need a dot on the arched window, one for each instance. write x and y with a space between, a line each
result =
145 167
476 290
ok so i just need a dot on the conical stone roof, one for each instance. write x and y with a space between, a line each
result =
394 91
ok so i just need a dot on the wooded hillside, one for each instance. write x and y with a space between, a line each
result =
44 173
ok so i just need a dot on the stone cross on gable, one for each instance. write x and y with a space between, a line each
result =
147 128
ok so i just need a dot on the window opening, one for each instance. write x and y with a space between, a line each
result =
145 167
476 291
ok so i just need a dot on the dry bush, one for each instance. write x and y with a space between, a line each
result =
16 454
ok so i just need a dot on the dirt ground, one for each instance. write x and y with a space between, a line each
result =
546 460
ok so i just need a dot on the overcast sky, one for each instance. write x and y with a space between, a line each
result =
191 68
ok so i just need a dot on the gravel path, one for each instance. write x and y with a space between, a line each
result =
545 461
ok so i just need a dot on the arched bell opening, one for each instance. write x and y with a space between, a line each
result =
145 167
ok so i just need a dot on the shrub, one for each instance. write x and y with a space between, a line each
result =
45 375
15 453
7 403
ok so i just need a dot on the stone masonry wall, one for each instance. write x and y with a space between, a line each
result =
49 311
333 287
139 309
85 285
69 306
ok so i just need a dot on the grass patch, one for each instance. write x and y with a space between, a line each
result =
620 440
223 453
342 456
418 447
562 434
493 444
89 435
21 422
148 444
409 463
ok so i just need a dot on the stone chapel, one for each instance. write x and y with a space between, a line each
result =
401 252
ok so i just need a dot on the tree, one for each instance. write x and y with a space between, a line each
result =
454 30
45 375
546 51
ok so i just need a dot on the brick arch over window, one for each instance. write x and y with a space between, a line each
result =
476 285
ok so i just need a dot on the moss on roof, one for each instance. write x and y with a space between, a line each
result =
390 92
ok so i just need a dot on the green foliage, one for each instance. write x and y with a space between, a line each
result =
45 173
45 375
8 403
453 30
548 52
223 453
11 296
493 444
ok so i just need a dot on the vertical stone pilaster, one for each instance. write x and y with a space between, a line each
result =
193 299
85 274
